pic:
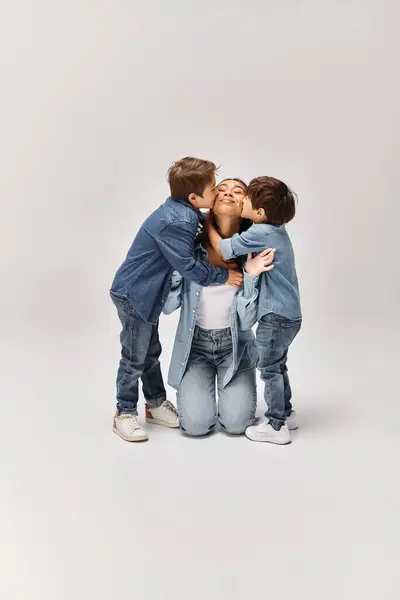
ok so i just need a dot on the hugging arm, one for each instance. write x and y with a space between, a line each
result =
176 242
253 240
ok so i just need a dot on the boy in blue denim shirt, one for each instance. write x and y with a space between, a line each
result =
164 243
270 205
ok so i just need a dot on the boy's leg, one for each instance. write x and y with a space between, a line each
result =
291 417
287 389
135 340
274 336
158 410
152 380
270 358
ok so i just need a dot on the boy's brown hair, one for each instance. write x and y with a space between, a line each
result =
190 176
274 196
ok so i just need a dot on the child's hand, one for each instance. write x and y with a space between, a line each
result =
261 263
235 278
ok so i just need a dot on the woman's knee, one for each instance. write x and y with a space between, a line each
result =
197 410
238 403
197 428
238 425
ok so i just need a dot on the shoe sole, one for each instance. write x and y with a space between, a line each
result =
144 438
162 423
270 441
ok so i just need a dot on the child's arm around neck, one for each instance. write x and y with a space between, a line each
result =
253 240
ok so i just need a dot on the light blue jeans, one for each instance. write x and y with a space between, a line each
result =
210 358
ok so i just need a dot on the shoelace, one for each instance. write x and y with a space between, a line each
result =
168 407
132 422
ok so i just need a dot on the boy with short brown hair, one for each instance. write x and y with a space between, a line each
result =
164 243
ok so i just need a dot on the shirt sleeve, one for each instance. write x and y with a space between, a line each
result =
252 240
176 243
247 302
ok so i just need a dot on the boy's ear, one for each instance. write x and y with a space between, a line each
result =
192 199
261 213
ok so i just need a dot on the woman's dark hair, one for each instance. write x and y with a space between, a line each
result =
202 237
243 183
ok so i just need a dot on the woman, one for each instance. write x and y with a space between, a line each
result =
213 351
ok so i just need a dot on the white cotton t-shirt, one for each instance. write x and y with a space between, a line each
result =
215 305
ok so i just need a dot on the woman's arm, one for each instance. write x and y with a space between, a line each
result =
213 235
247 297
174 298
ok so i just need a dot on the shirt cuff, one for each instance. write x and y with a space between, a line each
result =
226 249
250 284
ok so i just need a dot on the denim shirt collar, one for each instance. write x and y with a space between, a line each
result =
171 200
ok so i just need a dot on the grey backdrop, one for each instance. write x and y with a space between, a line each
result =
98 97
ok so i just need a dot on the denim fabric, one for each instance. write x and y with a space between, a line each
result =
185 294
210 358
274 336
279 288
164 242
140 352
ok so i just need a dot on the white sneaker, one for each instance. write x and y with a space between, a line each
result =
266 433
291 421
165 415
128 428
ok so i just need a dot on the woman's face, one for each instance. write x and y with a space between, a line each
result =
229 200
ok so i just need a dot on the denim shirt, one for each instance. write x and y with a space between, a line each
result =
165 242
185 294
279 288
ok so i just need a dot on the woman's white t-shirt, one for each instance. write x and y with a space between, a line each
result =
215 306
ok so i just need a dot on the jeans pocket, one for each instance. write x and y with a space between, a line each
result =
288 323
121 304
271 321
289 332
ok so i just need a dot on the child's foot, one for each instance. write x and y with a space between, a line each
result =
266 433
165 415
291 421
128 428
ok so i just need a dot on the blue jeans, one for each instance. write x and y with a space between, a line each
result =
140 352
210 358
274 336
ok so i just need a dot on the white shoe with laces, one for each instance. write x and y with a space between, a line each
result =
127 426
165 415
266 433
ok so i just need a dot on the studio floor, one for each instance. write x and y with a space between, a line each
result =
86 515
